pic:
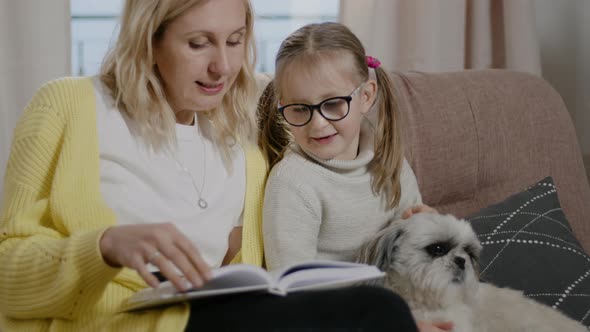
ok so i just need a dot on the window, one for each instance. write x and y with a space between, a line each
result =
275 19
95 24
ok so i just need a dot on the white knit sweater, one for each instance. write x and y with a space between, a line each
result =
326 209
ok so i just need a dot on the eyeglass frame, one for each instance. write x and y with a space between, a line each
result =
318 107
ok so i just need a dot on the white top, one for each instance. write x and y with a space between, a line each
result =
144 187
326 209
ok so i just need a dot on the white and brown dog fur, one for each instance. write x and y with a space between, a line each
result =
431 261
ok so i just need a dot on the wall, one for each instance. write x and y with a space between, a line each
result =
34 48
563 29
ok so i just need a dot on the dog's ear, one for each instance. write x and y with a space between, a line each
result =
474 251
476 256
381 249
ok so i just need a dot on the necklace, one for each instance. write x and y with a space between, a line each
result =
201 201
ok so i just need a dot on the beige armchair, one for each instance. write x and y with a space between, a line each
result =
475 137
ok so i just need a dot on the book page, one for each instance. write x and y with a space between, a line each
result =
323 275
229 279
279 274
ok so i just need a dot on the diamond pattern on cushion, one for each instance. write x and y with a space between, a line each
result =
529 245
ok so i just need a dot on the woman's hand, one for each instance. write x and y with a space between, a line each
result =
162 245
434 326
417 209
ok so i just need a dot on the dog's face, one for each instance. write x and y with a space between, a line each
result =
428 257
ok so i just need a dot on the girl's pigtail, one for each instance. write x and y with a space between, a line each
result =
387 164
273 138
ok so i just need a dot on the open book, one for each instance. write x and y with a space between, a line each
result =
242 278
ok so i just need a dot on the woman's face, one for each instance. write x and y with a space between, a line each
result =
200 54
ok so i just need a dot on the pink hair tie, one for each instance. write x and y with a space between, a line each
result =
373 62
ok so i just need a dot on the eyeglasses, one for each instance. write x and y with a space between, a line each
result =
331 109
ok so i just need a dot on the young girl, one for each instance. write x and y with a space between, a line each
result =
344 178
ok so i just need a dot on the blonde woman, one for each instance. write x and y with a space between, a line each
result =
150 167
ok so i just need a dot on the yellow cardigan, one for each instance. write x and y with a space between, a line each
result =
52 275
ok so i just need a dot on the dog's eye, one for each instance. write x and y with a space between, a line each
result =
438 249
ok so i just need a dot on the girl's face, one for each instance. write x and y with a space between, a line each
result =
330 77
201 53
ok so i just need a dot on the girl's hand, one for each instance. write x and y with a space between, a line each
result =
134 246
434 326
417 209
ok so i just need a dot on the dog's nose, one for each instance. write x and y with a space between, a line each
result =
460 261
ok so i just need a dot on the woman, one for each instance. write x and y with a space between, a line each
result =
150 167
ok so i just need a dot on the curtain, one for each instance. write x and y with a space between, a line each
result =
446 35
35 48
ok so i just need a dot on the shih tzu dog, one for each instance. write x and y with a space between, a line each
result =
431 260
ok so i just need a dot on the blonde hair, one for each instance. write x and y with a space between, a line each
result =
310 44
129 73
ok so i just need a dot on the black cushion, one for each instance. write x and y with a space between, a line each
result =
529 245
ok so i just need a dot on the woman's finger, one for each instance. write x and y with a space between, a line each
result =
140 265
183 264
170 272
187 247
